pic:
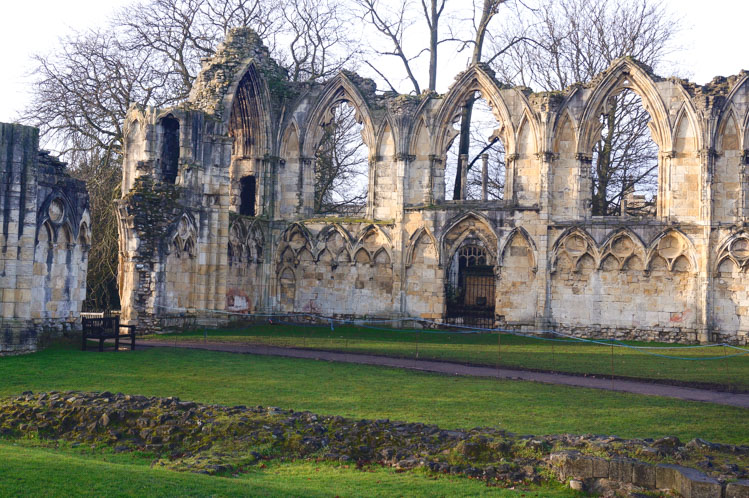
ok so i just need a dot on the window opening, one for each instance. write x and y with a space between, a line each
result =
484 139
247 195
624 170
170 149
342 165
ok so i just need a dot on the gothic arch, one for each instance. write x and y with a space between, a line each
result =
625 74
237 250
84 235
729 117
413 241
564 118
575 243
730 107
621 246
247 113
420 134
671 245
297 229
523 234
256 241
329 232
248 92
687 111
384 240
386 138
735 248
338 90
481 229
382 256
184 237
528 120
57 211
474 79
290 143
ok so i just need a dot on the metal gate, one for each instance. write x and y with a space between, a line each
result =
470 292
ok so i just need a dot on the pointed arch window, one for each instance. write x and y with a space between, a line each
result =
342 165
169 149
484 160
624 169
247 195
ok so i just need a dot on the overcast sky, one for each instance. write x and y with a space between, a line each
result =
714 38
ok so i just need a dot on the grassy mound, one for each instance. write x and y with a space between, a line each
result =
216 439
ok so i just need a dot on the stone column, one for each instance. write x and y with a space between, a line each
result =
463 161
484 177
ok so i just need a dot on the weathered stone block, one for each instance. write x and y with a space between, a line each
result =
643 475
621 469
738 489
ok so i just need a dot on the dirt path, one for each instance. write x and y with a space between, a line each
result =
620 385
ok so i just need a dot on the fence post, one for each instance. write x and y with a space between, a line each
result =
553 357
499 351
418 337
612 365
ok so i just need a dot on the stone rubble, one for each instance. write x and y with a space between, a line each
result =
215 439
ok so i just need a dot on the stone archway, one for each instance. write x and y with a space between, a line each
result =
470 272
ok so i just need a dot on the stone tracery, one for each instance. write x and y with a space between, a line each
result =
554 264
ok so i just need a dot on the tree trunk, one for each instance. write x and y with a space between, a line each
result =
489 9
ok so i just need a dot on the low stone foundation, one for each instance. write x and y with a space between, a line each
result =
17 336
216 439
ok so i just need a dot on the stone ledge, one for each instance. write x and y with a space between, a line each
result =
688 482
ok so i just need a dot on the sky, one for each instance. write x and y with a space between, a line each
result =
713 39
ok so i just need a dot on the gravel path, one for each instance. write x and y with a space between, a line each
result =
620 385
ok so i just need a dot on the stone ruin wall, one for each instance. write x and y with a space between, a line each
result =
44 242
678 276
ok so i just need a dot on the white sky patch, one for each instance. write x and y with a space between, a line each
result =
713 39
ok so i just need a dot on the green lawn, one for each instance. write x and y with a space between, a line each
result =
506 350
39 471
370 392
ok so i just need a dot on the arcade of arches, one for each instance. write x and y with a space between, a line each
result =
234 226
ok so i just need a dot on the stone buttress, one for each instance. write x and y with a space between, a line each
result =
217 213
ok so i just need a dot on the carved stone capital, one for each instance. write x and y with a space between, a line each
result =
707 154
546 156
668 154
405 157
584 157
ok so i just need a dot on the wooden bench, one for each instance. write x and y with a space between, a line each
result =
107 327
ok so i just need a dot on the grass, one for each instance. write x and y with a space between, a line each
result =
361 391
507 350
41 471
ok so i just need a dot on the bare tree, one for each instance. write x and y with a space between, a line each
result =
341 166
574 41
318 40
392 21
150 55
103 178
178 33
488 11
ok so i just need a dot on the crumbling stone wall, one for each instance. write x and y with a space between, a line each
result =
44 242
675 276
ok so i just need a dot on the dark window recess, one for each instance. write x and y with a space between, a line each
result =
247 196
170 149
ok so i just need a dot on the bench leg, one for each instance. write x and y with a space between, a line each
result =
83 343
117 342
101 344
132 341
